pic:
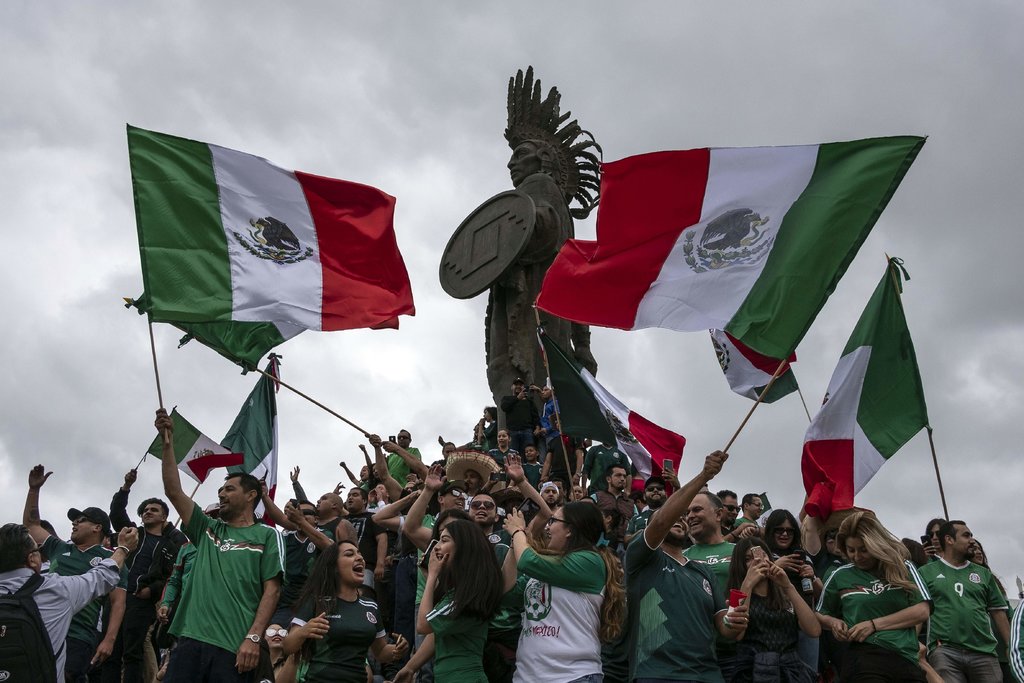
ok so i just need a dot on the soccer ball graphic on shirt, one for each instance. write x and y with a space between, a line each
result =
538 600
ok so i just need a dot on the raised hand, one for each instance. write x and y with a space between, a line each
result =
129 538
713 464
37 476
129 478
435 479
514 468
295 474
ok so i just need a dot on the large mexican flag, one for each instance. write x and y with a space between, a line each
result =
747 240
874 404
588 410
228 236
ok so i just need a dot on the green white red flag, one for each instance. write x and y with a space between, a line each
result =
226 236
195 453
749 372
747 240
588 410
254 432
874 404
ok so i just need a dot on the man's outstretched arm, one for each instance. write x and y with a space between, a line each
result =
679 502
169 468
37 476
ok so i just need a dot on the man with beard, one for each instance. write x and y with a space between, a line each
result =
234 583
733 530
654 498
663 581
148 566
551 494
88 529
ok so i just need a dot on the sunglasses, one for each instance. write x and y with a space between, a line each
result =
481 505
653 489
457 493
271 632
309 513
732 508
783 532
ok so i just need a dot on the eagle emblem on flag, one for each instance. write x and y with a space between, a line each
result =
273 240
733 238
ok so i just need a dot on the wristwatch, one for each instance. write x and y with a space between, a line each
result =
254 637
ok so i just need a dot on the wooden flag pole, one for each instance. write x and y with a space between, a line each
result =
314 402
805 403
778 373
935 461
190 497
571 471
156 372
931 442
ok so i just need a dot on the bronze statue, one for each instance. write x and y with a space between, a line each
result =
508 243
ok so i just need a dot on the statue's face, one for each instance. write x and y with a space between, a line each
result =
525 161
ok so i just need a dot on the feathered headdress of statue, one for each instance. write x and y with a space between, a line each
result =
530 118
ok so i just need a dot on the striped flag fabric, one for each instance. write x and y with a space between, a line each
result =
747 240
254 432
227 236
874 404
195 453
588 410
749 372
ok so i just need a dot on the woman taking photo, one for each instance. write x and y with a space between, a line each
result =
874 603
333 627
777 615
575 591
464 573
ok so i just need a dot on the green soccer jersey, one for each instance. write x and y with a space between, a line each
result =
638 522
226 582
421 574
458 643
855 595
717 557
962 598
67 560
597 460
299 557
671 616
340 657
1017 642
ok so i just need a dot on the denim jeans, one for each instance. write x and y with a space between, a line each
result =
519 439
957 665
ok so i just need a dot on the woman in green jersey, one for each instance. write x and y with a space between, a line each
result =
464 573
874 603
333 626
778 614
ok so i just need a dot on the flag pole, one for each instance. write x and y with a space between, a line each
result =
156 372
778 373
935 461
889 263
571 471
314 402
190 497
805 403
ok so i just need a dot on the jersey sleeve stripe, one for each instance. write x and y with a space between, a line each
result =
1016 658
918 580
821 598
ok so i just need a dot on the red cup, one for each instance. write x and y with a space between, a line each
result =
736 597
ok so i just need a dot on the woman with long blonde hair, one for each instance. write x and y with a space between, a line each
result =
574 600
874 603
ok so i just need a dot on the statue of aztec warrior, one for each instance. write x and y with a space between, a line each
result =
508 242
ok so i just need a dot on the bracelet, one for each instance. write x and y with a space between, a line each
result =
124 548
517 531
873 625
726 622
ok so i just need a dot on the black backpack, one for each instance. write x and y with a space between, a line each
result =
26 655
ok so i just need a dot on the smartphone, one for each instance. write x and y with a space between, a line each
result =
926 539
667 465
425 560
392 439
499 476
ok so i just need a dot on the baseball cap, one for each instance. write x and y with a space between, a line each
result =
454 484
94 515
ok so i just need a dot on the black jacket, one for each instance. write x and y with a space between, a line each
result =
163 556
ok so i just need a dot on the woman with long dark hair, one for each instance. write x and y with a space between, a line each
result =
575 591
875 603
333 626
464 573
777 616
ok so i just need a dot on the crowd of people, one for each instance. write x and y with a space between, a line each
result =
523 556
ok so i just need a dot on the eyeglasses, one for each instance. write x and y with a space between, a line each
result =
655 489
784 531
271 632
481 505
552 518
732 508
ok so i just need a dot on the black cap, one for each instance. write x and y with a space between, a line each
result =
518 380
457 484
94 515
654 480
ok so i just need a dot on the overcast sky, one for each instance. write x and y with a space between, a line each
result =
410 98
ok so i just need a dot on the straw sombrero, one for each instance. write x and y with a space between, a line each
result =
460 462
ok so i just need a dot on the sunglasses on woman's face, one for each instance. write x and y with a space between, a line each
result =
783 531
271 632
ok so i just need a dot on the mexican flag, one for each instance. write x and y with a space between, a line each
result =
874 405
195 453
254 432
588 410
243 343
749 372
226 236
747 240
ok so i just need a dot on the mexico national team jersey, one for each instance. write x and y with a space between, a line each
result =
226 583
1017 643
340 657
672 610
67 560
855 595
717 557
963 597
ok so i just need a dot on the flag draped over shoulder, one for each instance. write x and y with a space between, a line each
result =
225 236
243 343
874 405
588 410
195 453
749 372
748 240
254 432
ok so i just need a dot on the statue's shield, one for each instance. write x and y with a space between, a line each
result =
486 244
